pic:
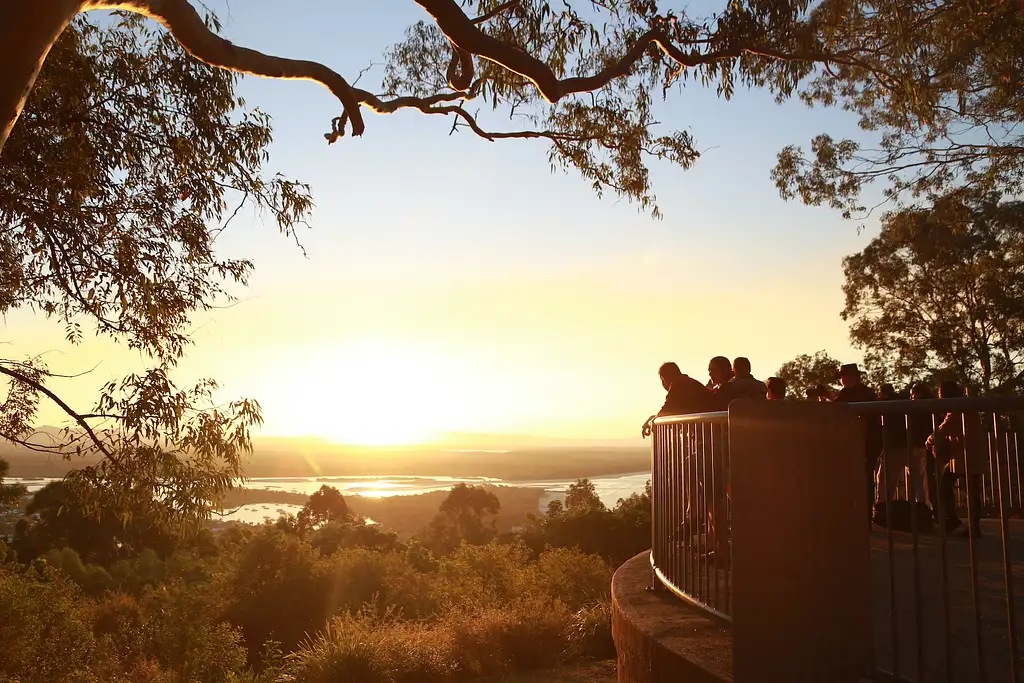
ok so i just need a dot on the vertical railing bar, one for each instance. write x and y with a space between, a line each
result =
702 471
679 508
1004 530
1020 487
655 499
718 522
973 545
687 555
943 559
916 559
668 512
882 465
1009 478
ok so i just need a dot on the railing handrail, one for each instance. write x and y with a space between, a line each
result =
960 404
717 416
682 595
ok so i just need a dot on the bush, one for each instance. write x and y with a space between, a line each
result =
365 648
43 615
494 641
589 633
574 578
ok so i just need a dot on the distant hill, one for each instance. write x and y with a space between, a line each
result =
508 457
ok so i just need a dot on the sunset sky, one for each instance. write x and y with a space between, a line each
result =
519 303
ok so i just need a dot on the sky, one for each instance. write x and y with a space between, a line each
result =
520 304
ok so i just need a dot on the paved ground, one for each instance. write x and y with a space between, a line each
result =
596 672
943 657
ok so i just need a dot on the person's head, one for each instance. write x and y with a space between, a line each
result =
776 388
849 375
950 389
741 367
720 370
887 392
669 373
921 391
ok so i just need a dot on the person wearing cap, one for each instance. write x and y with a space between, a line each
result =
855 391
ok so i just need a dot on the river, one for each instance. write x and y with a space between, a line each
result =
609 489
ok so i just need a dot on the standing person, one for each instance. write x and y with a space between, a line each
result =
720 373
961 450
855 391
922 461
775 389
892 468
745 385
684 395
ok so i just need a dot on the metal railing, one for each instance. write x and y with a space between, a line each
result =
944 598
945 604
690 509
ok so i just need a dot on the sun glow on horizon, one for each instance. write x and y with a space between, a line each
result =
378 393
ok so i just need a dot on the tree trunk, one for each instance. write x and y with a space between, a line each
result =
28 29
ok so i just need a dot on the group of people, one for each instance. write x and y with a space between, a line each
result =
939 450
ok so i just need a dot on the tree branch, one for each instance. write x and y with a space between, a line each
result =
80 419
188 27
464 33
487 16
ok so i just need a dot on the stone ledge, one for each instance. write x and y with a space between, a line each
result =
661 639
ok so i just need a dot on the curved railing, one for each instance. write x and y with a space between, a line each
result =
690 549
943 607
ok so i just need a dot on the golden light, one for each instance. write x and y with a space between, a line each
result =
383 394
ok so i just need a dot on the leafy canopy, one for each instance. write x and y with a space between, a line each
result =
807 372
128 158
942 288
940 101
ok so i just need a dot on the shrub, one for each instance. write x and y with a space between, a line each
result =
572 577
589 632
527 635
43 615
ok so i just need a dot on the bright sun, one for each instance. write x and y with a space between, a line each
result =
380 395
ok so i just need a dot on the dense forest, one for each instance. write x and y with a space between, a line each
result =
319 596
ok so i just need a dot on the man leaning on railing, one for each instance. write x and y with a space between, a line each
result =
685 395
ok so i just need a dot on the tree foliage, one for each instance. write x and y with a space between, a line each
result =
129 158
806 372
581 496
583 76
942 289
465 515
942 95
324 506
10 494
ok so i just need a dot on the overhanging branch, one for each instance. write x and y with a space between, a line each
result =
77 417
188 27
465 34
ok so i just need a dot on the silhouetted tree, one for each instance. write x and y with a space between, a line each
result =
581 496
325 505
111 197
942 288
466 514
10 494
59 517
808 371
942 97
537 58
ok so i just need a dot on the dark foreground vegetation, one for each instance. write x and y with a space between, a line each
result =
315 597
